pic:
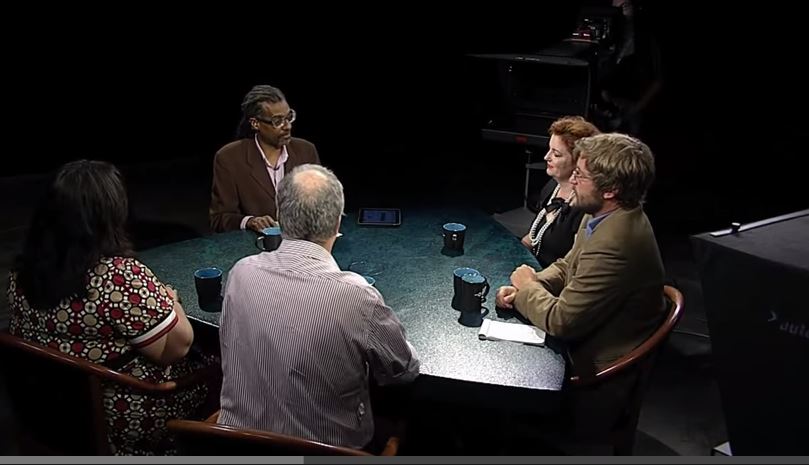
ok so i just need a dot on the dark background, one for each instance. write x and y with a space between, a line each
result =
386 93
386 96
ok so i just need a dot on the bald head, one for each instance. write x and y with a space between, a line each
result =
311 181
310 203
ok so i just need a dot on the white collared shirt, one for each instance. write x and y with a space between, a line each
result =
276 172
300 339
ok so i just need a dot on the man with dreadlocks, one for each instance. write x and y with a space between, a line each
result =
246 173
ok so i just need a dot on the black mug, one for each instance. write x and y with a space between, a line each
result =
474 289
456 284
269 239
454 234
208 282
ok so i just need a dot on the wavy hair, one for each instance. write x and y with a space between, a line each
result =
81 219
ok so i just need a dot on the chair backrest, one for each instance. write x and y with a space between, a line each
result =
641 360
58 399
644 353
57 407
209 438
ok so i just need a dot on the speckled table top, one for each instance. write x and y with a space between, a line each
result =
415 278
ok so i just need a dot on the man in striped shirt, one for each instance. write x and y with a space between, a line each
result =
299 337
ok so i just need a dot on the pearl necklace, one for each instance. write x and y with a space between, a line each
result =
536 236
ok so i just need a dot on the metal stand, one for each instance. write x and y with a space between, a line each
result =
519 219
529 166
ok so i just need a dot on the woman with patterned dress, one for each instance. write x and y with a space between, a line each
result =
77 288
551 234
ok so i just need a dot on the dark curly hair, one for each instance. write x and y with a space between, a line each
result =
81 219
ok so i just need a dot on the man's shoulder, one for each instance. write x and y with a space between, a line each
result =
244 265
232 149
624 229
301 145
354 288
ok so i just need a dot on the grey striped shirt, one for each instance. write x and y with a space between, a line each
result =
299 338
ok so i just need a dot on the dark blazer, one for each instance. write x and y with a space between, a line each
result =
241 184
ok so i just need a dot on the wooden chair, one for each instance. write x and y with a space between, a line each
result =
58 399
209 438
640 360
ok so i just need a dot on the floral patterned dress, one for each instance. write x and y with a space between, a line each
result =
125 308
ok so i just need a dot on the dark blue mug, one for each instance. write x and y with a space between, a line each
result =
454 234
456 283
269 239
474 288
208 282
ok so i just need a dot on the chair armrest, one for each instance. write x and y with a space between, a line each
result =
391 447
103 372
213 418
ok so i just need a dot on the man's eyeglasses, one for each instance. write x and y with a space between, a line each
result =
278 121
578 175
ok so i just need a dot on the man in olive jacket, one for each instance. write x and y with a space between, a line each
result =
605 297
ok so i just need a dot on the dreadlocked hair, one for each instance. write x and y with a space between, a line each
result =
251 106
